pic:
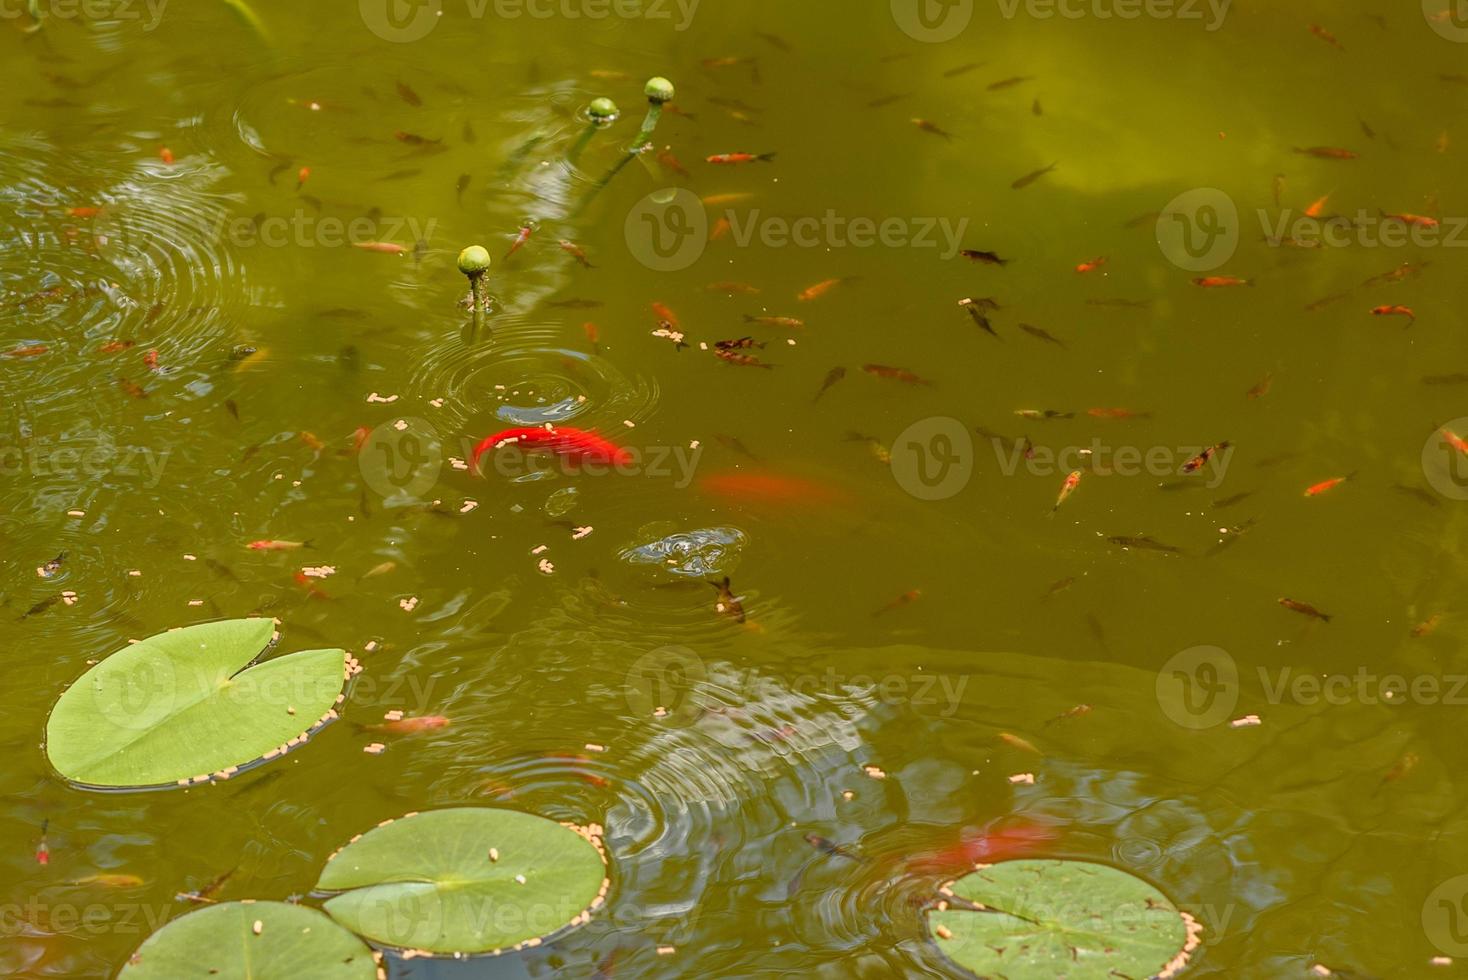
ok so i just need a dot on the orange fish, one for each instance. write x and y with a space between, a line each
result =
302 175
1327 152
273 545
928 126
1420 220
1427 628
360 435
670 162
34 350
386 248
1068 488
1116 413
1456 441
727 158
906 599
1326 36
593 333
166 155
895 374
665 314
1316 209
986 847
1214 282
83 212
1330 484
312 440
132 388
721 228
151 360
1092 265
409 726
1262 388
820 289
576 252
1405 311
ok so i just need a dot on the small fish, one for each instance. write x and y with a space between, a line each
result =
787 322
132 388
773 40
671 163
1428 627
275 545
110 881
982 321
835 375
928 126
113 346
221 569
34 350
593 333
733 443
728 604
1230 501
413 139
205 894
1076 712
1277 188
987 258
663 313
312 440
1330 484
1418 220
1015 742
1004 83
42 606
1143 543
1403 768
1057 587
886 100
43 850
50 568
1201 460
303 175
1405 311
526 230
742 343
732 158
1069 487
166 155
1092 265
150 360
409 726
1404 271
1366 130
832 848
409 96
461 187
895 374
232 408
1032 176
962 69
384 248
906 599
1120 414
732 288
741 360
1045 415
1304 609
1326 36
1455 440
821 288
576 252
1035 108
1261 389
1457 378
382 569
1327 152
1040 334
1217 282
1418 494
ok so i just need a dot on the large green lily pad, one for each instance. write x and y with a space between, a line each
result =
467 880
179 707
221 943
1070 920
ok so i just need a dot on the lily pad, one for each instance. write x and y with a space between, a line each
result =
1061 919
467 880
221 942
180 707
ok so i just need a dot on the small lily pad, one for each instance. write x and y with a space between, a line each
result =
1060 919
466 880
180 707
252 941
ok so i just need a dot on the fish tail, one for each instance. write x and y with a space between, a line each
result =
766 157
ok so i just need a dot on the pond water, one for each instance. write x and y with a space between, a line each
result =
922 625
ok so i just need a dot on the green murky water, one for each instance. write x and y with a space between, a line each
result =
1330 833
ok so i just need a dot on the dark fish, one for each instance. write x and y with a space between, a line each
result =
832 377
730 442
221 569
962 69
832 848
877 103
1004 83
972 309
350 358
1304 609
1036 108
1033 176
1446 379
741 360
400 175
1040 334
469 136
773 40
987 258
1418 494
743 343
51 567
1143 219
408 95
42 606
1144 543
461 187
241 351
1057 587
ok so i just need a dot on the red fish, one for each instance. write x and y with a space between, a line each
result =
151 360
526 230
166 155
727 158
1117 413
575 444
1456 441
1325 485
1066 489
1092 265
43 850
1405 311
273 545
1215 282
34 350
772 488
1327 152
988 846
663 313
302 175
409 726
